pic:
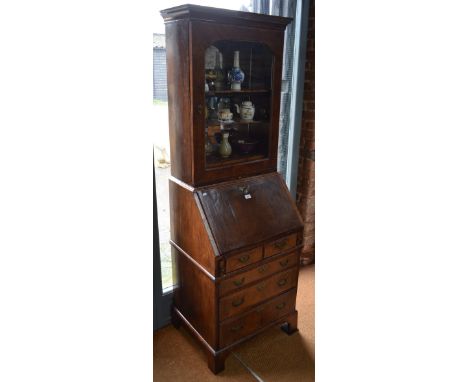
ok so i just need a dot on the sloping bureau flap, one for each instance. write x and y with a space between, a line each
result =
248 211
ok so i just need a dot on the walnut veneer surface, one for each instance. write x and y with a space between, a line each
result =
235 231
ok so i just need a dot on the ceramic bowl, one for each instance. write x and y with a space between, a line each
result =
246 145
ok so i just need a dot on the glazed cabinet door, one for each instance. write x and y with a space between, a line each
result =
236 89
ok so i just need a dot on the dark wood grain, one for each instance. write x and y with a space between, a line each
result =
259 272
237 222
241 326
178 90
279 307
235 277
242 300
195 298
218 15
187 37
205 34
244 259
280 245
188 230
233 331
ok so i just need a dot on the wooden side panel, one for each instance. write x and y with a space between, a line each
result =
195 298
178 89
187 228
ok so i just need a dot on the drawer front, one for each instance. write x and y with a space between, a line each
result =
243 259
281 245
235 330
263 270
242 300
280 306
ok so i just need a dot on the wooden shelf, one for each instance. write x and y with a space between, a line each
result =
215 160
211 122
243 91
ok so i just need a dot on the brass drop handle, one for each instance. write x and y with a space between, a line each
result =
281 244
244 259
261 286
239 282
282 282
281 306
200 109
262 269
238 302
284 262
237 328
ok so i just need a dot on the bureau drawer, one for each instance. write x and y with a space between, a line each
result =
264 270
278 307
235 330
280 245
242 300
243 259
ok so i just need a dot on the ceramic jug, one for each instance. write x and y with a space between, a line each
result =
246 110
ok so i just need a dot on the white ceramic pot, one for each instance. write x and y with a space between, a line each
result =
246 110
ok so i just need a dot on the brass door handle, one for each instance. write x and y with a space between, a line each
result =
238 302
261 286
237 328
282 282
284 262
281 306
281 244
244 258
200 109
239 282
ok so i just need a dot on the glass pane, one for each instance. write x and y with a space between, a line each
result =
163 171
238 79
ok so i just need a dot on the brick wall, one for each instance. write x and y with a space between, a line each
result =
306 169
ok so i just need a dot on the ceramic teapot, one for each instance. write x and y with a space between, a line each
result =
246 110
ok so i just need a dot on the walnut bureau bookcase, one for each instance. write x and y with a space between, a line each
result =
236 233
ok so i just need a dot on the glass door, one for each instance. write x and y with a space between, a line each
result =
237 103
236 88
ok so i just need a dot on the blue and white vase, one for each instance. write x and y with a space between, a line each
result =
236 75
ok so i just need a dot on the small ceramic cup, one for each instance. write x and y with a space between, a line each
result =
225 115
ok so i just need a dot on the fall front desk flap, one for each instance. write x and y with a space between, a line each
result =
248 211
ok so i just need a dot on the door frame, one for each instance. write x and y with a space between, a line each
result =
297 94
162 302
